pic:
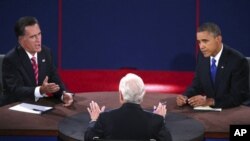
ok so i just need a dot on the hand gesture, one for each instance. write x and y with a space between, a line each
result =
94 110
48 87
160 110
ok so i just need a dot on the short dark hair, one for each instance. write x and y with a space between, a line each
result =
210 27
22 23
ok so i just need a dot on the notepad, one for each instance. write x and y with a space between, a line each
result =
31 108
207 108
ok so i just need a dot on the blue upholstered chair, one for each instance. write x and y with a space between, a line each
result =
2 98
247 102
1 61
98 139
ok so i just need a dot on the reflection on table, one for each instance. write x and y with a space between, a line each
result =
72 128
216 124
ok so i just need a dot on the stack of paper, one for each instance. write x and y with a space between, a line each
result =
207 108
30 108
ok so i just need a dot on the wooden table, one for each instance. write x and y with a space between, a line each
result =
216 124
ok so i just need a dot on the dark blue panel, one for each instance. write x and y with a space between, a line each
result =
143 34
233 18
28 138
46 12
214 139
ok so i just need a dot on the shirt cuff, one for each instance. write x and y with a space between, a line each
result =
92 123
37 93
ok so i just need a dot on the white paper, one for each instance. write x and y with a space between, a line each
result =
30 108
207 108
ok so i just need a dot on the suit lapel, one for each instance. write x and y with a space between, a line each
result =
210 84
26 64
41 67
221 67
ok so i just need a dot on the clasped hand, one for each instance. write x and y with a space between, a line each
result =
67 99
194 101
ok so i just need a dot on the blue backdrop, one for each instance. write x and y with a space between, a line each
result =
142 34
113 34
46 12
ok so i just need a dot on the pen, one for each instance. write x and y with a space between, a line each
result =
38 110
164 103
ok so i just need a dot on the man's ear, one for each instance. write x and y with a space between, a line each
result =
20 40
121 97
219 38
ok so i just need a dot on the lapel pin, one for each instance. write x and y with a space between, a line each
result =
222 67
43 60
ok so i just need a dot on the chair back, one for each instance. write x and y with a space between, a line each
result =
3 99
121 140
98 139
1 82
247 102
248 59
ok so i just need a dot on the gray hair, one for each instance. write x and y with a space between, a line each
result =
132 88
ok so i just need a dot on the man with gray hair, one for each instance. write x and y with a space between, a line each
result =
129 121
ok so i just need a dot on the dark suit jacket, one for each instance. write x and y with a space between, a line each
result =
231 83
18 75
129 121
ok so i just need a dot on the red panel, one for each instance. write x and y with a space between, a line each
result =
108 80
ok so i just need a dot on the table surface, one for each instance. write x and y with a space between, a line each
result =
216 124
72 128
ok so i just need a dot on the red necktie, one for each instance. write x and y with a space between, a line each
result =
35 68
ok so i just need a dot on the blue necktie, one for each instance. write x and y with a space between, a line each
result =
213 69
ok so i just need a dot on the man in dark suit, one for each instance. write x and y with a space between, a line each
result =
129 121
28 69
222 73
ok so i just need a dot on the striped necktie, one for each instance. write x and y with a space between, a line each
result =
35 68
